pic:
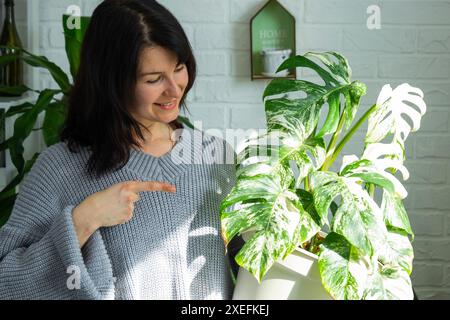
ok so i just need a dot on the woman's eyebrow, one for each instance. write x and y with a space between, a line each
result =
150 73
156 72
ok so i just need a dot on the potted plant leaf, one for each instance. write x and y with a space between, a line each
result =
312 232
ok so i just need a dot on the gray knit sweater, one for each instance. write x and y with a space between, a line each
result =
170 249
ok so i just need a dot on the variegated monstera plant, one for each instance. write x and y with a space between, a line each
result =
354 218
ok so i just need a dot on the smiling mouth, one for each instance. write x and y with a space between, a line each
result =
167 106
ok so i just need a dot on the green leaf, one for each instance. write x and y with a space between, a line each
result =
18 109
291 144
57 74
373 171
398 250
6 206
366 171
8 58
394 212
73 40
16 90
24 125
185 121
53 122
337 82
341 268
389 283
273 212
357 218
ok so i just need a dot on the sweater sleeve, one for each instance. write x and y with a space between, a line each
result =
40 256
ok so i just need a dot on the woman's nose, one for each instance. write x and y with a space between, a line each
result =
173 89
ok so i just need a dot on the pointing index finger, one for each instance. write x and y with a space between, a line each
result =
141 186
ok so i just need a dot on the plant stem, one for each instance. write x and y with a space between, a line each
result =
347 137
306 183
333 141
371 190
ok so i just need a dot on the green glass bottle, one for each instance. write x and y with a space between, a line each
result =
12 73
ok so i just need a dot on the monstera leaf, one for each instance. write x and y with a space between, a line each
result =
391 106
337 83
357 218
275 215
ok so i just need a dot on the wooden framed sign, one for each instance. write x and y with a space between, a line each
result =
272 34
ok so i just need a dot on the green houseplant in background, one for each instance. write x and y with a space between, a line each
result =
51 102
353 219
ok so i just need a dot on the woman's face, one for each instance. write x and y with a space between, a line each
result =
160 86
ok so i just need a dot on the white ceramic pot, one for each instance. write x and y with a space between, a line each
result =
295 278
272 59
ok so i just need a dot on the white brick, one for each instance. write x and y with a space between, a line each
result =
52 10
435 93
240 64
426 172
56 37
427 274
198 10
319 38
189 31
335 12
43 37
415 12
211 115
396 40
436 40
433 294
243 11
241 114
447 276
434 121
212 63
433 147
222 36
425 250
430 197
407 67
363 65
240 90
426 223
448 224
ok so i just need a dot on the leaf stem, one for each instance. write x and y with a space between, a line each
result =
333 141
371 190
347 137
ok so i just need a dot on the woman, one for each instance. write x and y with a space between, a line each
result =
126 206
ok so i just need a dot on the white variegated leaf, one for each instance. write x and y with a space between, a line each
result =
392 105
342 268
389 283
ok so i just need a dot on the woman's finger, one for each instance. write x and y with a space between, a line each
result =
140 186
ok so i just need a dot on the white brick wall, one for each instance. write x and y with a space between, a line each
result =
412 46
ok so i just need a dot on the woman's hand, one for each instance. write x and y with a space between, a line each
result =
112 206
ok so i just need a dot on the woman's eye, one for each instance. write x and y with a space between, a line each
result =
179 69
154 81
